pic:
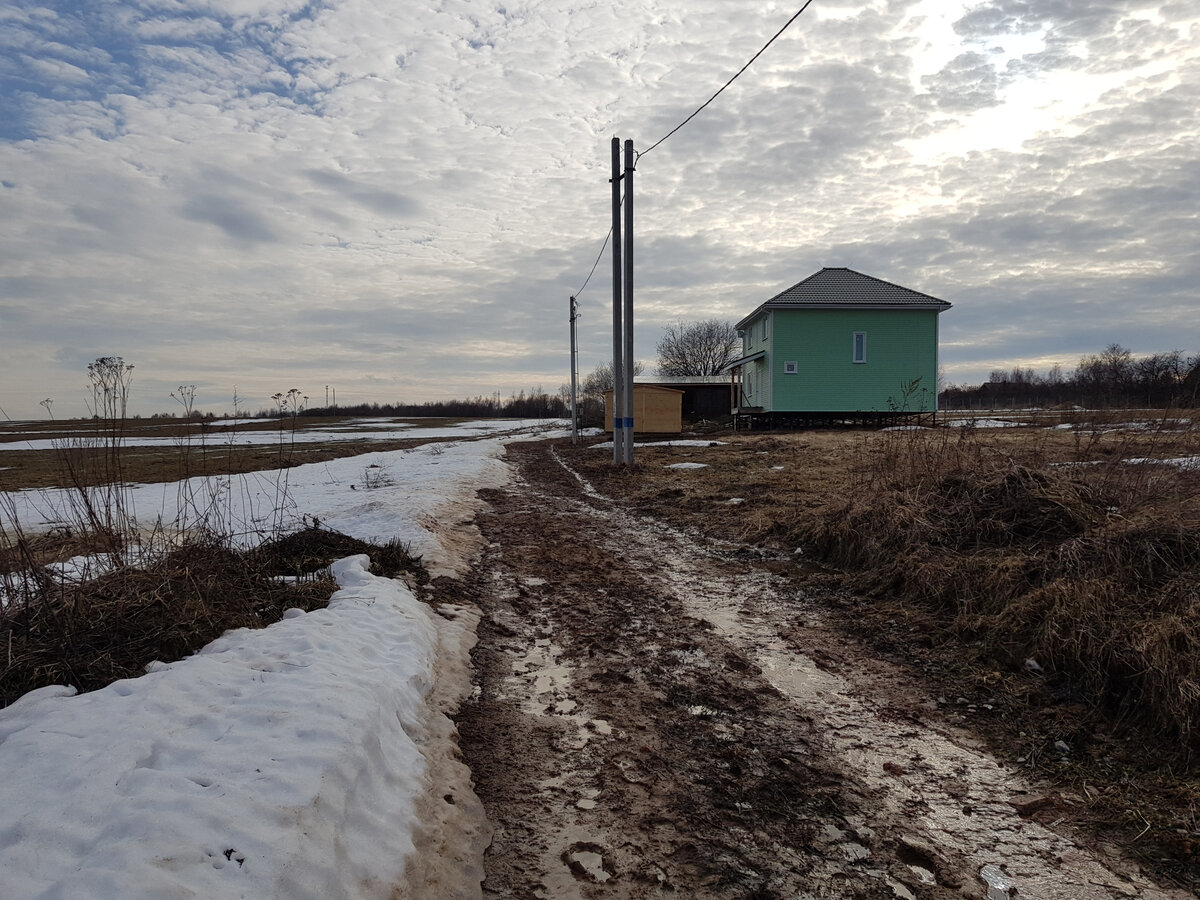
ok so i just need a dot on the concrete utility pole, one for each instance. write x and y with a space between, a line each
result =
618 367
574 371
627 443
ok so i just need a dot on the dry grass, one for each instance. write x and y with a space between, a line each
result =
110 627
1087 565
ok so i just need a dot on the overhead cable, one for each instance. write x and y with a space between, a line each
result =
642 153
599 256
729 82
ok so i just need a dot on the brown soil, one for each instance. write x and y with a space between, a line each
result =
664 712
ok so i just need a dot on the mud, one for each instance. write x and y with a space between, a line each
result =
659 715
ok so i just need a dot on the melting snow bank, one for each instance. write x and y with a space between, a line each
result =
294 761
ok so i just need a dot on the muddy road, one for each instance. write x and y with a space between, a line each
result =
659 715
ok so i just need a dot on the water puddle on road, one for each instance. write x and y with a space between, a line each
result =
542 682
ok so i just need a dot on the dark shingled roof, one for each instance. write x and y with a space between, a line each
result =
833 288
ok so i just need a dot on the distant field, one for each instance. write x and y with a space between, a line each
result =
42 454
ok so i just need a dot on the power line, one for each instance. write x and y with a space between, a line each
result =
642 153
729 82
599 256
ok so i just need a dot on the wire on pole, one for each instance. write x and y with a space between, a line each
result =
729 82
599 256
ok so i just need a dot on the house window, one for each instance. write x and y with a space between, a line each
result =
791 368
860 346
764 328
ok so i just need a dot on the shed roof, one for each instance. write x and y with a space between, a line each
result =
681 381
638 387
841 288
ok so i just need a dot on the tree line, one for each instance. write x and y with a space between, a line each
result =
535 403
1113 377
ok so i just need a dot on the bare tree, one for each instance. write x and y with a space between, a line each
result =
591 391
697 348
600 379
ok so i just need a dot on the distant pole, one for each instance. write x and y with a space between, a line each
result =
618 334
628 379
574 357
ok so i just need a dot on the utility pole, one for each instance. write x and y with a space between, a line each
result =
574 370
618 367
627 444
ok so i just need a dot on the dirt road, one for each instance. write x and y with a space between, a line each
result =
658 715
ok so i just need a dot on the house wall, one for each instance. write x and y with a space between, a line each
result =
756 375
901 346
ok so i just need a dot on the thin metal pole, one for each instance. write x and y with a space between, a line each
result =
617 364
628 445
574 378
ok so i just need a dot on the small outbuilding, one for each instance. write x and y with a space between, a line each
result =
656 410
704 396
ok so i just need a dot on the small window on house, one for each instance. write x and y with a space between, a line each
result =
791 368
860 346
764 328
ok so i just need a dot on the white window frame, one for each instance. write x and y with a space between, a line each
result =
859 341
790 367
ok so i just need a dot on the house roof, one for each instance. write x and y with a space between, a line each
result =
742 360
681 381
840 288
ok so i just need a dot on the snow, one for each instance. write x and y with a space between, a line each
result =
983 423
686 465
379 495
688 442
285 437
1182 462
295 761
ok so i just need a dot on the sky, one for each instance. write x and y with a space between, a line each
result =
394 201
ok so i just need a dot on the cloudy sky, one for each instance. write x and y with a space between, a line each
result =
395 198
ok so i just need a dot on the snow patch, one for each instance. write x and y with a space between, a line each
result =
281 762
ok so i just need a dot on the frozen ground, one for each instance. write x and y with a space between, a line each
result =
358 430
308 759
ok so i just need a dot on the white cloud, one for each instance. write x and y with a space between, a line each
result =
277 193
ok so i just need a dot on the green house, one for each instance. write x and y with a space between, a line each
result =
839 346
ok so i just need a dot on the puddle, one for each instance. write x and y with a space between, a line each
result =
542 682
587 863
855 852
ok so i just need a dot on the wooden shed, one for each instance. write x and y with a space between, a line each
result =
656 410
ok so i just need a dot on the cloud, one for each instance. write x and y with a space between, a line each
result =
968 83
273 193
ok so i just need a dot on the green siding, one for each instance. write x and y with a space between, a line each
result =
901 345
756 377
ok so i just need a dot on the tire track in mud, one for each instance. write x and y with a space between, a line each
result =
650 720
